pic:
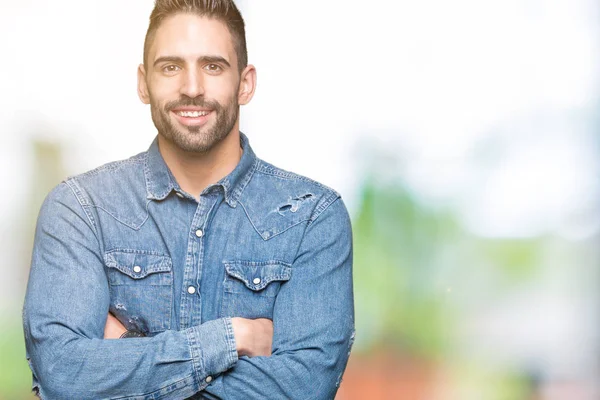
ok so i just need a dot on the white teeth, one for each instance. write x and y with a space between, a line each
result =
192 114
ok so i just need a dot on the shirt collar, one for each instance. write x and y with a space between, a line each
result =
235 183
160 181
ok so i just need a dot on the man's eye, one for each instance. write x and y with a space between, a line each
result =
212 68
171 68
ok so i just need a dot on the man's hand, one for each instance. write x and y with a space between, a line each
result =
113 328
253 337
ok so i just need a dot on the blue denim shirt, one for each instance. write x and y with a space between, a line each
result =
125 238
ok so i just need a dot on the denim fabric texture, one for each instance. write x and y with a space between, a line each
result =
124 238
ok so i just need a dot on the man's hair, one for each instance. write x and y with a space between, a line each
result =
221 10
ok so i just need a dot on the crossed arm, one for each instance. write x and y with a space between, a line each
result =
253 337
67 304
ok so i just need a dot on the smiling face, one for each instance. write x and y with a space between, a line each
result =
192 82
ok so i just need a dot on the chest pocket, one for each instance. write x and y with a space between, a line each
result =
250 288
141 289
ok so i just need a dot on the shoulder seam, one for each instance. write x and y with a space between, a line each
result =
79 196
269 169
323 205
111 166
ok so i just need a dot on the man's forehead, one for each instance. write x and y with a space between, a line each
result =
188 35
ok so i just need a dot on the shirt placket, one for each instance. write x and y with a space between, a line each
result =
190 312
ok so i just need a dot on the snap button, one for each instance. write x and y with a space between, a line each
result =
208 379
137 269
256 281
191 290
199 233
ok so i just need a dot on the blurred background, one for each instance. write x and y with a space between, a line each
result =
463 137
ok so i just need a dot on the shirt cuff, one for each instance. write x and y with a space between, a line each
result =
213 349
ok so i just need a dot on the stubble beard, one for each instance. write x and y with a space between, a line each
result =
195 139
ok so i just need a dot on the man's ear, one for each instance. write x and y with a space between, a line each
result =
247 85
143 93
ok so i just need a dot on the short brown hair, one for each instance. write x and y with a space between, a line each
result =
222 10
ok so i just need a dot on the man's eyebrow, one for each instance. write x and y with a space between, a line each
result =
214 59
202 59
168 59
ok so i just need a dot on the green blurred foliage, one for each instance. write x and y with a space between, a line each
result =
517 259
407 257
15 377
399 246
48 171
419 273
476 381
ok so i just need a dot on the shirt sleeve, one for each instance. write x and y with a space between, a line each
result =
65 311
313 322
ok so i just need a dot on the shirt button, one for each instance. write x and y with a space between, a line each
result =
179 195
137 269
256 281
208 379
199 233
191 290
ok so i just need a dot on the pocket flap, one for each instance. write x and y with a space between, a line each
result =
257 275
137 264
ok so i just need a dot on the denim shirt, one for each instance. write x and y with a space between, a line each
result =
125 238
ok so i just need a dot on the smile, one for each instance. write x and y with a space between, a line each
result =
192 117
192 114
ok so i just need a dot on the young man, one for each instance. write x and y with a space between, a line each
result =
221 275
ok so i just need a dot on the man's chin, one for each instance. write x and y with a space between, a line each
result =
190 142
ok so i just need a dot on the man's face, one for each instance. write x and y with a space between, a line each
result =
192 81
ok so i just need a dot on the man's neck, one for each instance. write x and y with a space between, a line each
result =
196 171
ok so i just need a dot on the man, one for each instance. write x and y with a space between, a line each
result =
193 269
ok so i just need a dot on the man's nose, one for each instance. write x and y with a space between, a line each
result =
193 84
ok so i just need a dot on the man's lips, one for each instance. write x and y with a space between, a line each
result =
191 115
191 111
